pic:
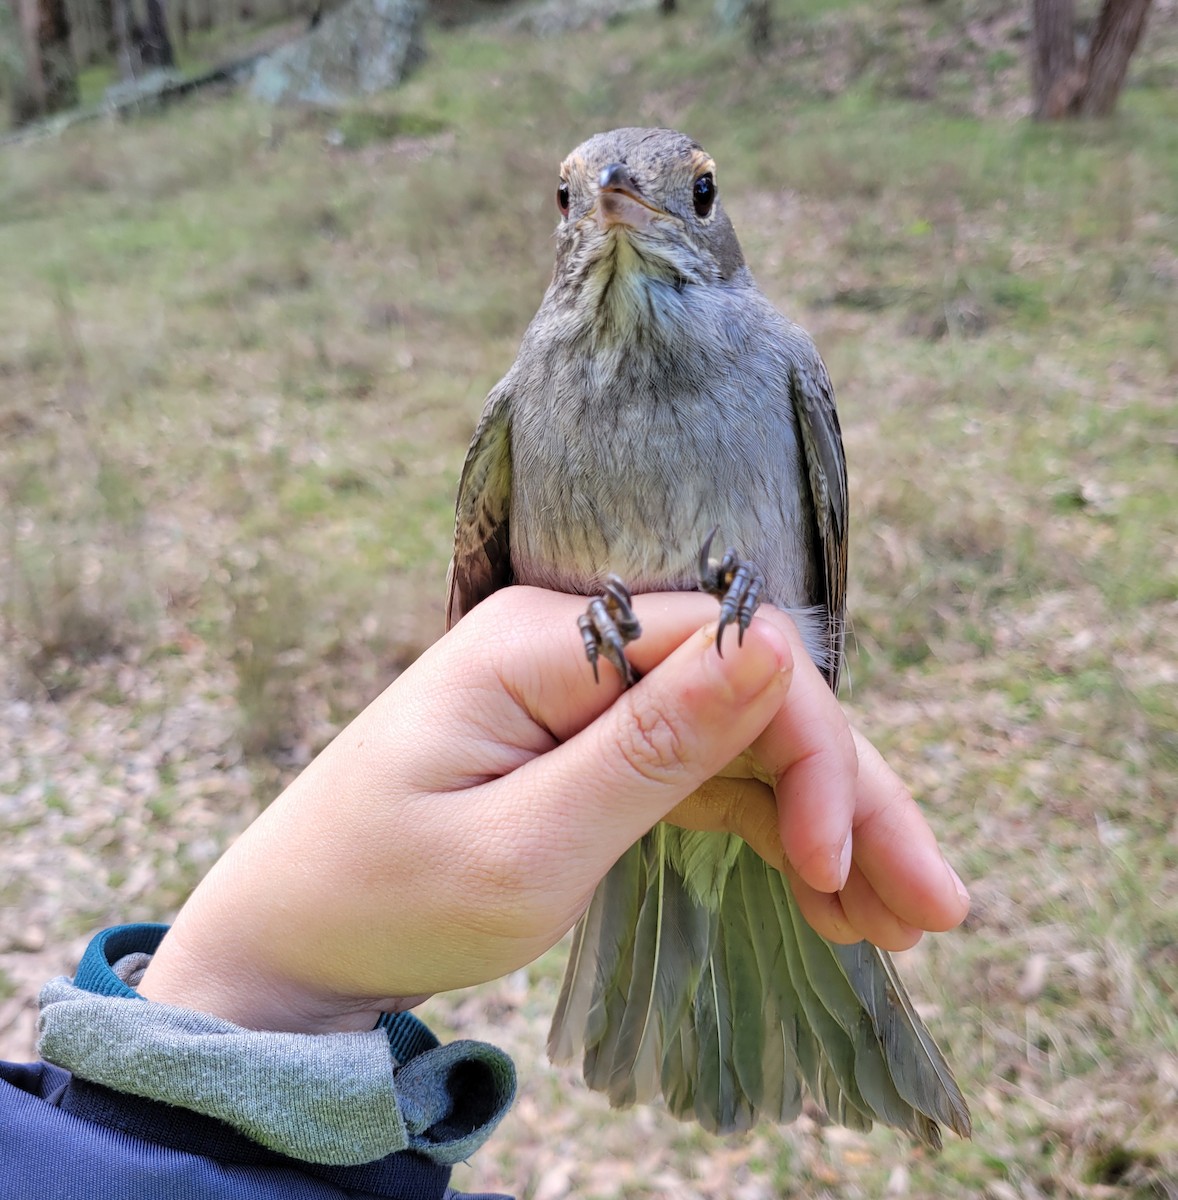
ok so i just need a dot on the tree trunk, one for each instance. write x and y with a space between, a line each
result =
1053 68
142 47
128 37
22 103
1066 87
1118 32
107 42
57 59
760 26
157 45
92 31
49 61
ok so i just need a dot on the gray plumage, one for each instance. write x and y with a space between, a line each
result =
658 395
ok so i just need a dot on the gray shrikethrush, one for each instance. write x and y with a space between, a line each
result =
656 397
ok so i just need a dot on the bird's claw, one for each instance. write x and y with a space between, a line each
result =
736 583
607 626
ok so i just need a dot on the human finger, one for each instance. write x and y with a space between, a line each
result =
663 738
896 851
871 918
510 681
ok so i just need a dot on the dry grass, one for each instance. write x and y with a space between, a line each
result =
241 353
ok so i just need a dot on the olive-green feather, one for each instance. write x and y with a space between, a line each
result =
921 1074
481 563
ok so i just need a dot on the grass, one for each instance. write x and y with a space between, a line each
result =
242 352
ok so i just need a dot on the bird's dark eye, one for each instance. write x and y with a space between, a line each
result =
703 195
562 198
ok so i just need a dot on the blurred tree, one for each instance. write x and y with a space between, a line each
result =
126 33
760 25
755 13
201 14
157 44
104 18
13 82
50 81
192 16
1070 85
143 45
92 31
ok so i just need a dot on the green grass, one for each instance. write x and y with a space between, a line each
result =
241 355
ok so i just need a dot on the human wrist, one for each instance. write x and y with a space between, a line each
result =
229 979
342 1098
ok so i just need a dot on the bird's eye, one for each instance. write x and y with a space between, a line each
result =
703 195
562 198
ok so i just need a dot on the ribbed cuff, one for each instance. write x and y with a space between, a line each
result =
340 1098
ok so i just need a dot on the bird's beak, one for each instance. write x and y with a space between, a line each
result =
619 202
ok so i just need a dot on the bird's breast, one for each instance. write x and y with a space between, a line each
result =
624 463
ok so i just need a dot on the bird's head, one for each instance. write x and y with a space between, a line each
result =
640 214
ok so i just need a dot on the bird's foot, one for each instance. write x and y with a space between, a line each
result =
735 583
607 626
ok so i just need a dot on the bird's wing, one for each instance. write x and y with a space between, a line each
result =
482 544
826 474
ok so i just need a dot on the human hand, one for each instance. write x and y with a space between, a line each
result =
816 800
457 827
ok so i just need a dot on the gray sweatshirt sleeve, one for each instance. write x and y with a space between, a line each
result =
339 1098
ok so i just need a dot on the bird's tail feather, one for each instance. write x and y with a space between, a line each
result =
921 1075
732 1010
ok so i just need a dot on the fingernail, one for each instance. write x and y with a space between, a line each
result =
962 891
845 863
753 667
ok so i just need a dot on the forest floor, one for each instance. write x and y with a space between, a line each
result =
241 355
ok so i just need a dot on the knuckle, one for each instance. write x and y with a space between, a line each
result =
490 896
500 864
653 745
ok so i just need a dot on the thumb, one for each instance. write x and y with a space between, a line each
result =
681 724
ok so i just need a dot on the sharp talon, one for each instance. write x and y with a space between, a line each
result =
590 640
749 601
607 626
736 584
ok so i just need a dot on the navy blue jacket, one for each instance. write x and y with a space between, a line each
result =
64 1138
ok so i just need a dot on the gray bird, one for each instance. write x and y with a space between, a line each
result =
656 397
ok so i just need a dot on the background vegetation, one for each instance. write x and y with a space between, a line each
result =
241 355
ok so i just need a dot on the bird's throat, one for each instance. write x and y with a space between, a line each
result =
629 293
